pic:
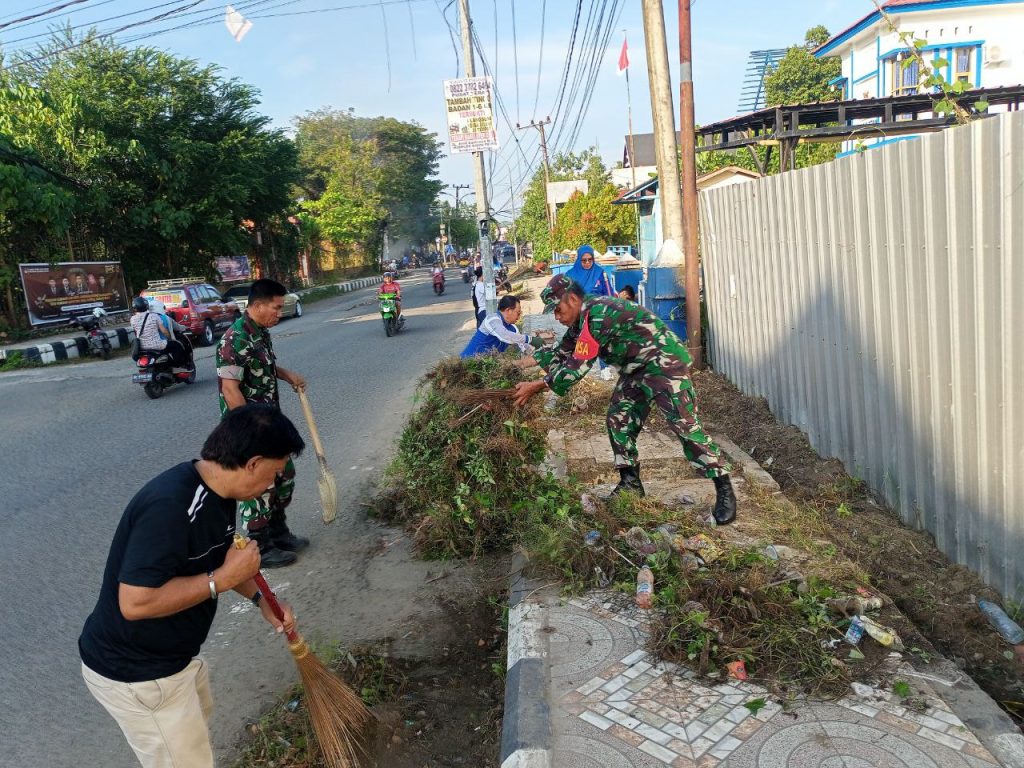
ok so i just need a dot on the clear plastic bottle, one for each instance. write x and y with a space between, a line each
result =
1003 624
644 587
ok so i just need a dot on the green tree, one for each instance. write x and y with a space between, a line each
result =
591 218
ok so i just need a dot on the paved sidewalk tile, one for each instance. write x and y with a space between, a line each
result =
614 706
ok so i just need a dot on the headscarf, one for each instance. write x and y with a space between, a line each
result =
593 281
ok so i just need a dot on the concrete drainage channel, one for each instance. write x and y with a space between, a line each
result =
120 338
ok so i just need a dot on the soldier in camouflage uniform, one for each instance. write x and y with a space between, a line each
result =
247 372
653 370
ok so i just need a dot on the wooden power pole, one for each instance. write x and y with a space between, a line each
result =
688 153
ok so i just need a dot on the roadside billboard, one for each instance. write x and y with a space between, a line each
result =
56 293
470 106
233 268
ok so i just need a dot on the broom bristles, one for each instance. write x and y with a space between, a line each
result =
340 719
328 494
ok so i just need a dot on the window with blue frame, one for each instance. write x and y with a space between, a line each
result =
963 60
906 76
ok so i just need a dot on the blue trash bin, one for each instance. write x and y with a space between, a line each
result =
665 298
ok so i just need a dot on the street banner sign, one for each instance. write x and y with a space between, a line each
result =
57 293
470 106
232 268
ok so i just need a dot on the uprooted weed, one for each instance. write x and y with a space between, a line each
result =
465 481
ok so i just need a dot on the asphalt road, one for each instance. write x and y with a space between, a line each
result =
79 440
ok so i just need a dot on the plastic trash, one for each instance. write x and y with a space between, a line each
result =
644 587
701 544
854 606
601 578
592 538
883 635
737 669
1008 628
690 562
588 503
779 552
855 632
640 541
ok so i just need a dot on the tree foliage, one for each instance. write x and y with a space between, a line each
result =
591 218
360 173
154 160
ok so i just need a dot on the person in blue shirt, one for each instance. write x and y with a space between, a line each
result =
588 275
498 332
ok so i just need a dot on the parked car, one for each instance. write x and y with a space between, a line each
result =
239 294
196 305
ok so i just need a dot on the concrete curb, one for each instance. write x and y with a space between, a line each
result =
78 346
526 740
74 348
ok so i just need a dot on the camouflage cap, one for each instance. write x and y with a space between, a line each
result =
554 291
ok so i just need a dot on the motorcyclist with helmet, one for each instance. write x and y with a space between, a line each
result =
157 332
390 285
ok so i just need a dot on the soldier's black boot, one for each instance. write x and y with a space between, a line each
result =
629 480
270 555
725 501
281 537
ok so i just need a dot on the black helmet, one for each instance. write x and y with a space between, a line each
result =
139 304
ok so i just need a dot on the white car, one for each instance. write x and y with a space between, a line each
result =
240 295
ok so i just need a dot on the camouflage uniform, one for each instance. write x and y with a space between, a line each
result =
653 369
246 354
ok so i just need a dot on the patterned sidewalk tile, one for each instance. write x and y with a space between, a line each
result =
645 713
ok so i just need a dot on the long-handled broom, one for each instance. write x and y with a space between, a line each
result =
325 480
340 719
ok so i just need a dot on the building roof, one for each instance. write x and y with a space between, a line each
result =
650 187
902 6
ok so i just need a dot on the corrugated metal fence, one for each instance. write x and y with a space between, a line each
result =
877 302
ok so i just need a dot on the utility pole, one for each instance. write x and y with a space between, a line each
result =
663 111
480 183
687 134
547 167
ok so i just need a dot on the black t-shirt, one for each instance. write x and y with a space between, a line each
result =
175 526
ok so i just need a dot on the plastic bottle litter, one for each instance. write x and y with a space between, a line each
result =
1008 628
855 632
644 587
883 635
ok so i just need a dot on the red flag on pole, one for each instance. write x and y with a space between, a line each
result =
624 57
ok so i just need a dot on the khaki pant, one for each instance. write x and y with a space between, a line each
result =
165 721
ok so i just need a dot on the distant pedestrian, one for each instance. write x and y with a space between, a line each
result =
479 296
171 556
247 372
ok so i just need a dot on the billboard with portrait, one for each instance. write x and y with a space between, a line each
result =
233 268
56 293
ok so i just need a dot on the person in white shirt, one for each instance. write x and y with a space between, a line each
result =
156 331
479 296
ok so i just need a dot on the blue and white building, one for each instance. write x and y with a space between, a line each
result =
980 41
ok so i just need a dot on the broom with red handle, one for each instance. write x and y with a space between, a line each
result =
339 717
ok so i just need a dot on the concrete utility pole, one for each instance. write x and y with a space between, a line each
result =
663 111
482 208
548 214
688 151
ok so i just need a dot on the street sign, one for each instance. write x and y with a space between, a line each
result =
470 106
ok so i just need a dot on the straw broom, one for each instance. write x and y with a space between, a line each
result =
325 480
340 719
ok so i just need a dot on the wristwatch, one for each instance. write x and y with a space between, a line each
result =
256 598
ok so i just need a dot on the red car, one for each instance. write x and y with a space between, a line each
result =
196 305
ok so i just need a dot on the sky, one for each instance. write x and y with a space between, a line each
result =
389 57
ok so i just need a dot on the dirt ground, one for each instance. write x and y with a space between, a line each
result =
439 709
935 594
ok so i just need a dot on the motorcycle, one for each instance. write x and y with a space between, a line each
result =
467 274
156 373
389 314
501 281
439 283
96 337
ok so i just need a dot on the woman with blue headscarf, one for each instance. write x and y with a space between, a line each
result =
588 275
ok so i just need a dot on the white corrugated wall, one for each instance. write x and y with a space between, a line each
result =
877 302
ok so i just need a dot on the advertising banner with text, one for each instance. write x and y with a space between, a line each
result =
56 293
470 106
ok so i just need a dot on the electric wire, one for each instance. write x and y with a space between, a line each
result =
540 58
451 31
47 12
515 55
